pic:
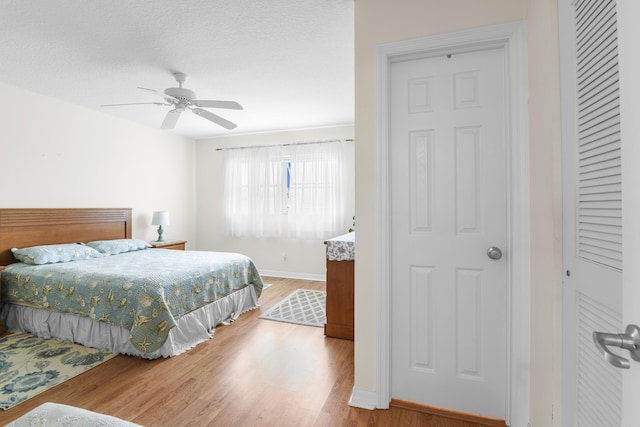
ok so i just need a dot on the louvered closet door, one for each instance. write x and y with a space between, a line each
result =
592 299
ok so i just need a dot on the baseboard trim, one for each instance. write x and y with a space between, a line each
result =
365 399
291 275
448 413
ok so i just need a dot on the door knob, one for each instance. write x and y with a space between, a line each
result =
630 340
494 252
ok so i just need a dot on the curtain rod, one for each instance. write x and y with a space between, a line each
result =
285 145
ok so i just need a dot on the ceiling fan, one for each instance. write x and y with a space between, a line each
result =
184 99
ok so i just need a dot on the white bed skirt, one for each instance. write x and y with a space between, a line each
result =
192 328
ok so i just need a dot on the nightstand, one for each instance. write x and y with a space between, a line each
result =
178 245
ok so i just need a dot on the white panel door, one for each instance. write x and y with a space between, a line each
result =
592 210
449 205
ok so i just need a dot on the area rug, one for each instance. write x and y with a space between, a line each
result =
30 365
303 307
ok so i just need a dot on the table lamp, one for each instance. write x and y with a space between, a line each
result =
160 218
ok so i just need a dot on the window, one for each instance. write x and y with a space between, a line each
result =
285 191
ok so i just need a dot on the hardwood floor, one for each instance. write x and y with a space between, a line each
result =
253 373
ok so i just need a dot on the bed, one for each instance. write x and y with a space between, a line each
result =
103 297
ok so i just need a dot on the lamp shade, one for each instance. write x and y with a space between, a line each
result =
160 218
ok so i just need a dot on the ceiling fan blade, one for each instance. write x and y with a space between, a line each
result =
152 91
134 103
214 118
171 119
232 105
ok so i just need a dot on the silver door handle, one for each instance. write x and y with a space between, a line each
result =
630 340
494 252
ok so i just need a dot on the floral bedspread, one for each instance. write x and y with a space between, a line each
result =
144 291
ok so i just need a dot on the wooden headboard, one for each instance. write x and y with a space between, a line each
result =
21 228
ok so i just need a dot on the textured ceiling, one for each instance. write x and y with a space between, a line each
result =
288 62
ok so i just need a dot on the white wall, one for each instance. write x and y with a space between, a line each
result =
305 258
545 213
382 21
57 155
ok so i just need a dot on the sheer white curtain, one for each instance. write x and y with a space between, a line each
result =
294 191
316 197
255 191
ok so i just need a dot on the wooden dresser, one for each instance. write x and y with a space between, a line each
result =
340 293
174 244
